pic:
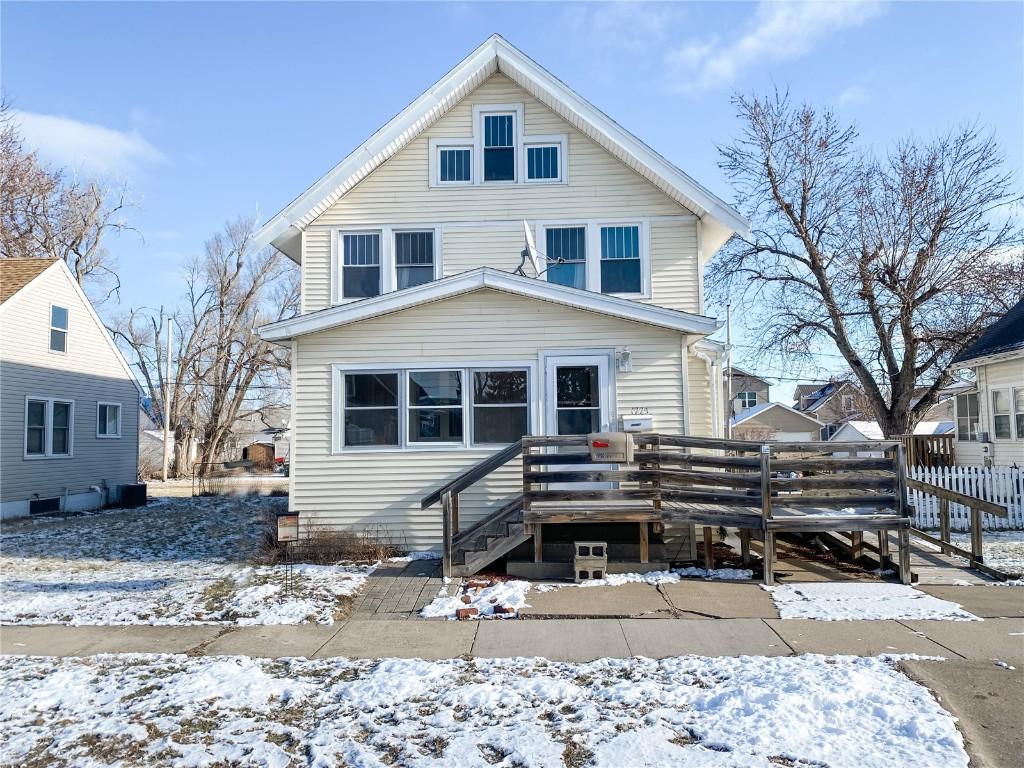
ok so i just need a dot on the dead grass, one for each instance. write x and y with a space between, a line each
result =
322 545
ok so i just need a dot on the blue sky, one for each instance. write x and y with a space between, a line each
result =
213 110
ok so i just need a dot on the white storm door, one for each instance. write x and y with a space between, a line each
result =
577 396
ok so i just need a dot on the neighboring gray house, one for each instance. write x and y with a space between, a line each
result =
747 390
69 405
833 403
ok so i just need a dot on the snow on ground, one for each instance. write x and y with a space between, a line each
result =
828 601
747 712
501 595
174 561
657 577
1001 549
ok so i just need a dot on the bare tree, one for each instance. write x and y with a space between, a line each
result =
223 370
897 263
45 213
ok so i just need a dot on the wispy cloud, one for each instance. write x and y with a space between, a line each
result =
853 94
88 147
623 26
779 31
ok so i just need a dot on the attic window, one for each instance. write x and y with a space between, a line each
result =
747 399
499 147
454 165
58 329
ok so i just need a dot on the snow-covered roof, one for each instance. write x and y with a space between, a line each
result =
488 277
496 54
870 430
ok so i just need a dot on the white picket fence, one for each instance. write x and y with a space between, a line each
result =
1002 485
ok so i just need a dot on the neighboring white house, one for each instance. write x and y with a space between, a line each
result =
776 422
990 417
69 432
419 350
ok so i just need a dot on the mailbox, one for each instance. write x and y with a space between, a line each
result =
610 447
637 423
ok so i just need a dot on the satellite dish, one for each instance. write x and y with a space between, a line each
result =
530 252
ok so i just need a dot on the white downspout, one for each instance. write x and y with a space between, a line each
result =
716 415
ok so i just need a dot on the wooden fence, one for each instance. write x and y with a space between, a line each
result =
1001 485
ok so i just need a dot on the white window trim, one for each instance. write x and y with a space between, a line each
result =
408 406
593 240
48 429
388 268
1014 412
466 368
561 141
739 396
434 163
120 412
957 417
65 331
479 112
1009 414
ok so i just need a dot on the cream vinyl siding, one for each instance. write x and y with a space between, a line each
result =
1005 374
372 488
599 187
87 374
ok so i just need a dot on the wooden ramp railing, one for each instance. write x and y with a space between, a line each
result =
762 488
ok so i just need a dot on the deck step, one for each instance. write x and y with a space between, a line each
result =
512 511
477 560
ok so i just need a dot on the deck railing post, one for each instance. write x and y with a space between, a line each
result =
976 551
944 526
766 514
446 534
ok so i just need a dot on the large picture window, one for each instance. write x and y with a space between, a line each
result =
414 258
435 407
360 276
566 249
501 406
419 409
371 409
48 427
967 419
620 260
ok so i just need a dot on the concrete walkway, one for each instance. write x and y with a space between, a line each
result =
557 639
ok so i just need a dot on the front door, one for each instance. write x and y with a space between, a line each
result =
577 396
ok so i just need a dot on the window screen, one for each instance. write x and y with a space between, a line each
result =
620 260
414 258
567 246
360 265
542 162
499 148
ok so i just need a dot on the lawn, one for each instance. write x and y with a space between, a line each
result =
174 561
747 712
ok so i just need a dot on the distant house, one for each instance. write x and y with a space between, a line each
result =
832 403
990 415
267 429
775 421
69 437
747 390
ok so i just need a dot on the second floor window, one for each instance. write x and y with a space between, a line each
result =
747 399
566 249
361 265
620 260
499 148
58 329
414 258
967 417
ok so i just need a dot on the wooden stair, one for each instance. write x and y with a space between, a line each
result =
493 537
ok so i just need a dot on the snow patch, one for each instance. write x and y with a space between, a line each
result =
500 594
860 601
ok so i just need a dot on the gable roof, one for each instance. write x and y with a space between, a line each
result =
1004 335
817 394
63 268
735 371
757 410
496 54
488 277
15 274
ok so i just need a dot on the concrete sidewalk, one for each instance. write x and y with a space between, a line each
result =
556 639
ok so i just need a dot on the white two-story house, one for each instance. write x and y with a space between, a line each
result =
426 341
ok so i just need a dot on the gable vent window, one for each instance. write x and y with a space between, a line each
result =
499 148
414 258
542 163
620 260
567 246
58 329
361 265
455 165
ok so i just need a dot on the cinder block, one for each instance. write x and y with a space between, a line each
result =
591 549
